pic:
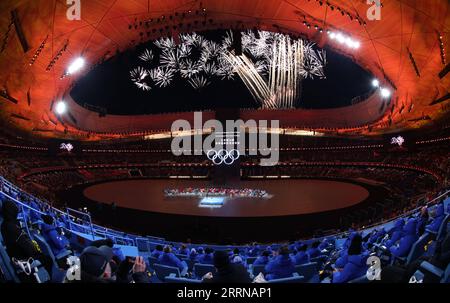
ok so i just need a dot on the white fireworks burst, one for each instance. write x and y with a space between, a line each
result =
227 41
313 63
272 66
184 51
261 47
147 55
226 70
199 82
163 76
210 69
164 43
169 57
143 86
261 66
193 39
189 68
138 74
211 51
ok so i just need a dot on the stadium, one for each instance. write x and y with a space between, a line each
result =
223 141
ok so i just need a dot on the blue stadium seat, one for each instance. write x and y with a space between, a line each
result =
142 244
190 263
6 266
152 261
294 279
58 274
172 278
362 279
446 277
443 229
416 251
202 269
42 276
162 271
309 271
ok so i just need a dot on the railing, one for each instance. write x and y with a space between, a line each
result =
83 215
9 190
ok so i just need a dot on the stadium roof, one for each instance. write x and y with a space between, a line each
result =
38 42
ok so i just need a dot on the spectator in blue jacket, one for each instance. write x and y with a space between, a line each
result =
157 252
314 251
169 259
193 254
374 237
263 259
422 221
395 233
281 266
356 263
57 242
207 257
237 253
254 250
324 244
35 216
347 241
183 250
437 219
408 239
301 257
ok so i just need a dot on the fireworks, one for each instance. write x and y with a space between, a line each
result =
189 68
271 66
147 56
198 82
165 43
138 76
163 76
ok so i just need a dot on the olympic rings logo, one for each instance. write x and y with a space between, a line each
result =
223 156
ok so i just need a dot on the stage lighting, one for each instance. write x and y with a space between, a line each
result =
76 65
375 83
385 93
61 107
344 39
349 42
356 44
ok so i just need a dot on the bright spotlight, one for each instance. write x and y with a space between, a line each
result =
349 42
332 36
340 38
385 93
375 83
76 65
61 107
356 44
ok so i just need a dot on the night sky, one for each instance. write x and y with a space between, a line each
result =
108 85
